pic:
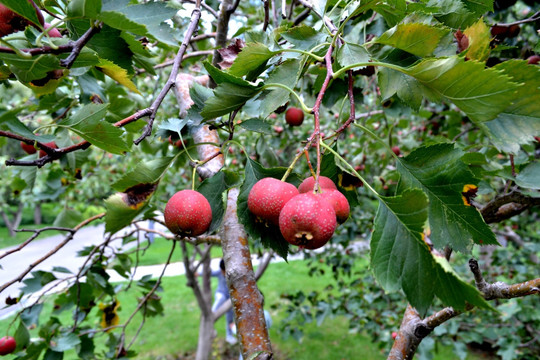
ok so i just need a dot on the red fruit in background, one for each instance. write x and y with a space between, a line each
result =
54 32
396 150
394 335
29 149
533 59
51 144
268 196
294 116
308 220
178 143
308 184
188 213
7 345
339 202
11 22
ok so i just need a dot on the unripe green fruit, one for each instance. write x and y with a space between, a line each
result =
308 184
268 196
307 220
339 202
7 345
188 213
294 116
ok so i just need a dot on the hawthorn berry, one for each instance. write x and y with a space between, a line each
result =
188 213
7 345
309 183
307 220
268 196
294 116
28 148
339 202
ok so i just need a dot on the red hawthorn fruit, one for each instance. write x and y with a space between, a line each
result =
7 345
28 148
188 213
533 59
308 184
54 32
178 143
11 22
339 202
307 220
268 196
51 144
394 335
294 116
396 150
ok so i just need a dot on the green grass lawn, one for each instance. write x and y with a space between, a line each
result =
175 333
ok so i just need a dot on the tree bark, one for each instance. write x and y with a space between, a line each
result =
37 214
246 298
12 225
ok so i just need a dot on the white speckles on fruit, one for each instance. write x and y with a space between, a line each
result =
268 196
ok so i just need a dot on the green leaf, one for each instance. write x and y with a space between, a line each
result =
30 69
304 37
90 124
148 172
440 173
479 92
252 57
30 315
121 210
399 257
64 342
416 38
84 8
529 176
407 88
142 19
23 8
269 100
519 122
68 218
227 98
37 281
270 235
350 54
452 13
117 73
22 336
257 125
213 190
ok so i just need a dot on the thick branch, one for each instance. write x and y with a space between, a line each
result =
246 298
507 205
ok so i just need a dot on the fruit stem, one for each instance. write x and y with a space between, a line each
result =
376 138
289 169
302 105
193 173
362 64
351 168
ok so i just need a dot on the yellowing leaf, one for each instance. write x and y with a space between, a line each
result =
479 37
117 73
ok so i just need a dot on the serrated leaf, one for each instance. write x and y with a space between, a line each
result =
269 100
452 13
221 77
117 73
439 172
416 38
23 8
30 315
121 211
479 37
257 125
350 54
22 336
252 57
270 235
227 98
400 257
479 92
407 88
529 177
519 122
90 124
148 172
304 37
143 19
37 281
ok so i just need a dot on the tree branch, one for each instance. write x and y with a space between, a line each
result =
505 206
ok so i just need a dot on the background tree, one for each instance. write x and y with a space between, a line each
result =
424 114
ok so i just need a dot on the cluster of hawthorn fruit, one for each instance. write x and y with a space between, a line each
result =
306 216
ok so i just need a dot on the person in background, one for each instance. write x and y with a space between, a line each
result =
222 295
